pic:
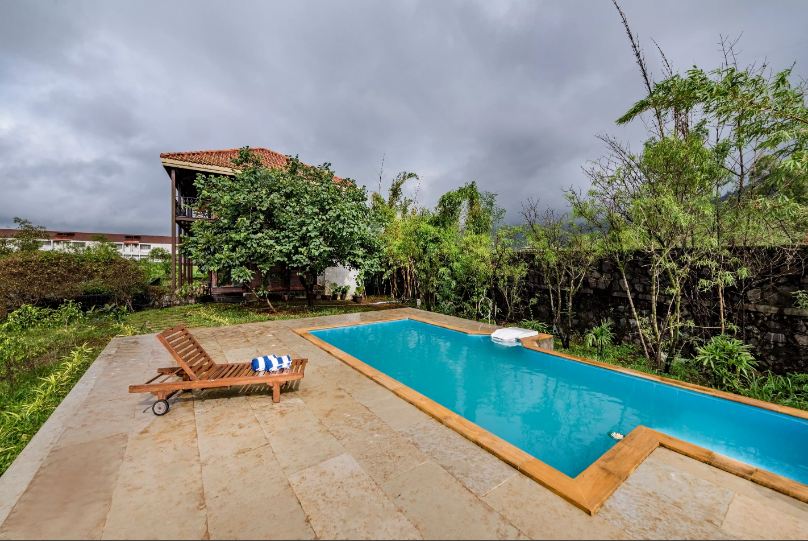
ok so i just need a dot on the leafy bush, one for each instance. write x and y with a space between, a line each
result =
801 299
789 390
15 347
728 362
600 336
45 277
192 290
536 325
27 317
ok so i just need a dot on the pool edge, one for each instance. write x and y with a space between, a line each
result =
591 488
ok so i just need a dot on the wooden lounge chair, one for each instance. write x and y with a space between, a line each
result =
196 370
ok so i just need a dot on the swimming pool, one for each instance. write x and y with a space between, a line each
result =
562 411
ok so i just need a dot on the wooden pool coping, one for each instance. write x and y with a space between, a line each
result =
592 487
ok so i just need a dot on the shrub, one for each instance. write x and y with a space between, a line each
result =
600 336
536 325
728 362
49 277
801 299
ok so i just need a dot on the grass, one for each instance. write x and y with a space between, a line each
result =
48 359
217 315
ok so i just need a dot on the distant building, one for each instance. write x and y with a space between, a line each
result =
129 246
182 168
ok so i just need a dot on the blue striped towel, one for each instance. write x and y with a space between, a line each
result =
271 363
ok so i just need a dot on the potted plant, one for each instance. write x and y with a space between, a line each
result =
335 291
343 292
359 293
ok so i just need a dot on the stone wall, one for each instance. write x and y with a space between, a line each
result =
762 307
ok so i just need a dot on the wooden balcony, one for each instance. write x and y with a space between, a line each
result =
185 208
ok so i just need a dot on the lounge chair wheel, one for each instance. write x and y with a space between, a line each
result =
160 407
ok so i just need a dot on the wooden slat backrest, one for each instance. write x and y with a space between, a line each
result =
298 365
187 352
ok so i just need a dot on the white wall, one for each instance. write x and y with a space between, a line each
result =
341 276
127 250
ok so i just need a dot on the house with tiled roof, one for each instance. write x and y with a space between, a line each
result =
182 169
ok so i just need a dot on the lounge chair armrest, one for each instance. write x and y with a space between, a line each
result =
169 370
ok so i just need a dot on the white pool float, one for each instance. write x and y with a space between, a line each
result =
510 336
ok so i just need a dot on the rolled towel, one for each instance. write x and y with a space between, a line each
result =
271 363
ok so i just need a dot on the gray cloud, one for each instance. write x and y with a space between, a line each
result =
510 94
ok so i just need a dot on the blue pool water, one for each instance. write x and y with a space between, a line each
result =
562 411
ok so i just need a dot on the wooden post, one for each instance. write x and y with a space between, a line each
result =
173 230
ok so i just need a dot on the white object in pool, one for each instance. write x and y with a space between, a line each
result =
510 336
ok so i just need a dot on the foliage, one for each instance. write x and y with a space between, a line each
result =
801 299
192 290
728 361
42 277
28 237
565 254
600 336
724 167
30 320
508 271
454 258
300 216
535 325
157 267
788 390
21 420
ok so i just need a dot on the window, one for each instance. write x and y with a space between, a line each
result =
145 247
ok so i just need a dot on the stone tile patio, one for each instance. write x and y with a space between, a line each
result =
342 457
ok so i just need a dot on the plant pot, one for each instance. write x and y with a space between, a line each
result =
335 296
343 296
357 298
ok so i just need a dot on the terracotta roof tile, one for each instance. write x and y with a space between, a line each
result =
224 158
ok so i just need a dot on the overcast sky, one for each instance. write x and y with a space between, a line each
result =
510 94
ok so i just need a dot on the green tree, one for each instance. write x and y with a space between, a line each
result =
564 253
299 216
28 237
724 167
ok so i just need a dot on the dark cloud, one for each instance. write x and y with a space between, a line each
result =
510 94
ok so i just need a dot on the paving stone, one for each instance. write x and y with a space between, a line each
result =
541 514
247 496
70 495
343 502
159 489
442 508
661 503
473 466
396 412
98 419
298 439
227 427
747 518
385 455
